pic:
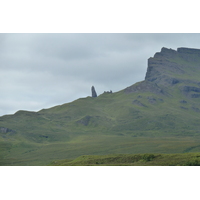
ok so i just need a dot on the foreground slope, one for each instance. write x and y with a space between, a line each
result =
186 159
160 115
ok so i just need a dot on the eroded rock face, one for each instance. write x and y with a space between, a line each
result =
138 103
191 91
161 68
188 54
144 86
167 66
85 120
170 68
94 94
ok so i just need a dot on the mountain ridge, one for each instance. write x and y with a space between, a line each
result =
163 74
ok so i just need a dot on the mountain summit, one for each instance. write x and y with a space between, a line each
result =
165 104
168 67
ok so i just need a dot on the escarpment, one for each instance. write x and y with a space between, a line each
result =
169 68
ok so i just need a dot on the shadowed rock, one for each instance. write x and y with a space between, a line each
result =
138 103
6 130
85 120
191 91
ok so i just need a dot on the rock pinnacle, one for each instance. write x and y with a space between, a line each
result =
94 94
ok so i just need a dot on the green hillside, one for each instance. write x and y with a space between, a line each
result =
158 115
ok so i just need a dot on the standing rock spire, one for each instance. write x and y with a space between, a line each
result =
94 94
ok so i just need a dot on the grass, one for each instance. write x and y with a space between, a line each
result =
187 159
40 154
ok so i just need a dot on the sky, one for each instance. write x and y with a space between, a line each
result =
42 70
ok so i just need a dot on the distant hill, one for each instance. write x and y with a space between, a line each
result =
160 114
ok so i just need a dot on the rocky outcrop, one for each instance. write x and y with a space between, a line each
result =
108 92
167 66
94 94
191 91
144 86
153 100
6 130
183 101
138 103
85 120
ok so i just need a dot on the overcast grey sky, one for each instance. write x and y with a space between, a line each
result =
44 70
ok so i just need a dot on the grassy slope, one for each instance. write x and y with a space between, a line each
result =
116 126
187 159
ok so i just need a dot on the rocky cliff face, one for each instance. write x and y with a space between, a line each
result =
168 68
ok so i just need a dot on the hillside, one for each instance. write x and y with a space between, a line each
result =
157 115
